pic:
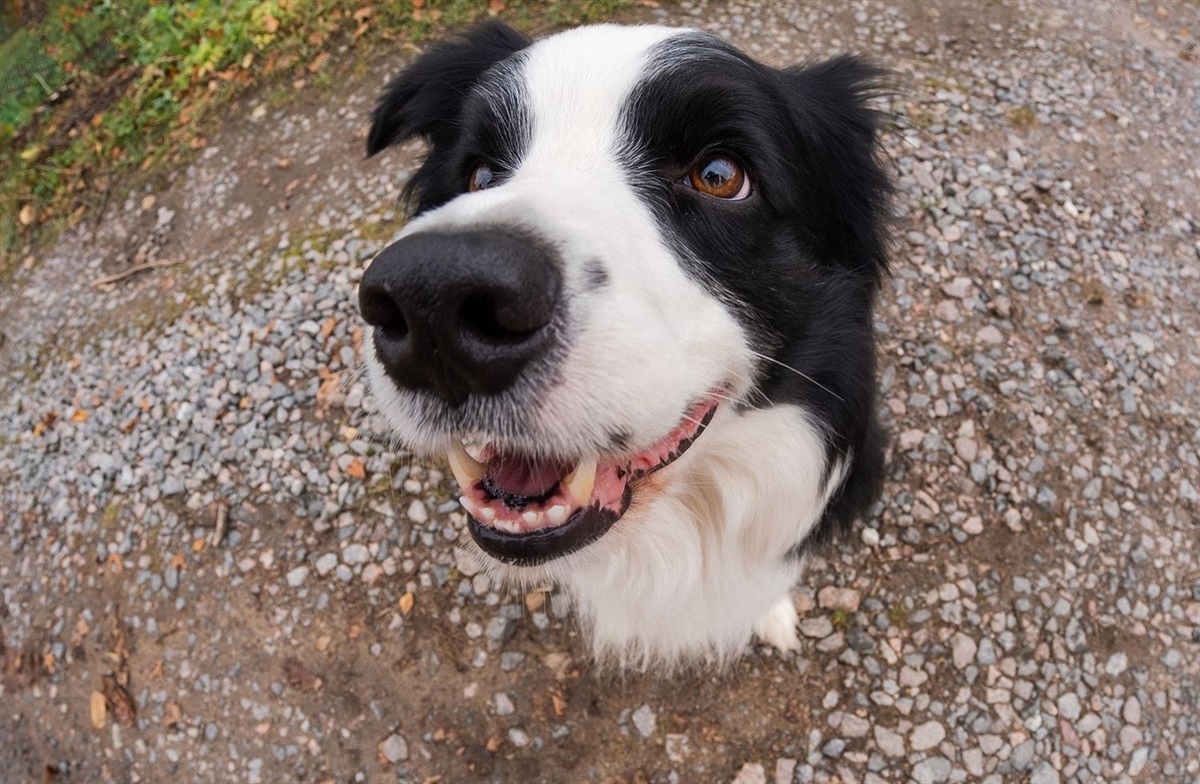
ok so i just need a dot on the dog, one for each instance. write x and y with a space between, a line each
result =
634 308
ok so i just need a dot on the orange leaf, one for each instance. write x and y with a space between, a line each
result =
79 416
406 603
270 23
177 560
356 469
496 6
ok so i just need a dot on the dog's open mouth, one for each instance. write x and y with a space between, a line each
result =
526 511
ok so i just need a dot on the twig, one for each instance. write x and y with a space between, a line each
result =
222 522
108 280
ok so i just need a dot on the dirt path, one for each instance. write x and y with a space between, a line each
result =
1024 606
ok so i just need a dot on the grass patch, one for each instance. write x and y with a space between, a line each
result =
99 90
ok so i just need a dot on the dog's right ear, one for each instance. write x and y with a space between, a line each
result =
425 99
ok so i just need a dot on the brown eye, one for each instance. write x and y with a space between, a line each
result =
721 177
482 176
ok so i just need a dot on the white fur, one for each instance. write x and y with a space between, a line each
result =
692 572
701 560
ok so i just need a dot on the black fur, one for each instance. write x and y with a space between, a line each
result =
800 261
434 98
803 256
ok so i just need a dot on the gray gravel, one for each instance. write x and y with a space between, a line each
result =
196 497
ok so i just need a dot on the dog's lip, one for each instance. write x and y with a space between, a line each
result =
587 521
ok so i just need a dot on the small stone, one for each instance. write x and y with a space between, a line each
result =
932 771
959 288
854 727
1069 707
833 598
356 554
890 743
518 737
785 770
417 512
927 735
964 649
751 773
503 704
394 748
296 577
990 334
816 627
1132 712
1044 774
326 564
644 720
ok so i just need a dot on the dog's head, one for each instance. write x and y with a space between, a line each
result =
618 230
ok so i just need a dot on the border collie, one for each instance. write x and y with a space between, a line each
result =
634 309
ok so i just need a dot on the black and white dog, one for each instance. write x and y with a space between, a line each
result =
634 308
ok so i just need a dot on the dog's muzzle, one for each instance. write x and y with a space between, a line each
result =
460 314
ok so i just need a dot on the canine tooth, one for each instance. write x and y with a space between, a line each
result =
579 483
557 514
467 470
469 505
531 518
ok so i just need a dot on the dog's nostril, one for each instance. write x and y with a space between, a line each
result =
381 311
480 316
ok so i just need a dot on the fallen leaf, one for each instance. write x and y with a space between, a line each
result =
298 676
270 23
406 603
99 710
177 560
356 469
79 416
48 663
493 743
496 6
560 705
318 62
120 704
328 327
198 544
172 715
534 601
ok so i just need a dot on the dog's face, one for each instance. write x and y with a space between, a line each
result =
618 231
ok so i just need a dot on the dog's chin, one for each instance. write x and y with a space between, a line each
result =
526 510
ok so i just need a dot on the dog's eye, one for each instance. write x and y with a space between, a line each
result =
720 176
482 176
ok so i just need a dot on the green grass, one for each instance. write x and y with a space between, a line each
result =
137 83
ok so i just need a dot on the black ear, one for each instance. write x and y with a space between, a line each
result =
426 97
840 131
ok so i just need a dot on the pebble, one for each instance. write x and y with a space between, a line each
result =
394 748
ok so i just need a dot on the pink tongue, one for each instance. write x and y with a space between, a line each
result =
521 476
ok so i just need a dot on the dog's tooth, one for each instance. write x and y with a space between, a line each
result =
467 470
511 526
471 507
487 514
557 514
531 518
579 483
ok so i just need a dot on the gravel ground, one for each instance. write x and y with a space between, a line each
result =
215 567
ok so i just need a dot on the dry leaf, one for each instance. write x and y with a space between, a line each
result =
172 715
496 6
99 710
119 702
356 469
560 705
298 676
48 663
406 603
328 327
318 62
493 743
270 23
534 601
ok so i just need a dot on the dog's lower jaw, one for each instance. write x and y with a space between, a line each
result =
703 561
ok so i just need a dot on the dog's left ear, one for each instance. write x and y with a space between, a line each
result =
830 106
425 99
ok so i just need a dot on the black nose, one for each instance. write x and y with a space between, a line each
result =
460 314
